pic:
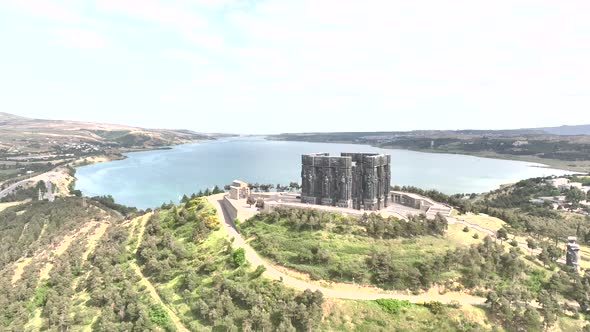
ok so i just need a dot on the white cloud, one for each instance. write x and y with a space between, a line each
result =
413 64
46 8
79 38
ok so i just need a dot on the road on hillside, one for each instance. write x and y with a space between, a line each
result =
340 291
8 190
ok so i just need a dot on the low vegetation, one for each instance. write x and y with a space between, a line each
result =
341 248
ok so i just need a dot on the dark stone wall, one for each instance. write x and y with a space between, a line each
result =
353 180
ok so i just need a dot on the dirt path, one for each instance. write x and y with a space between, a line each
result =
64 245
154 294
19 269
93 239
143 222
4 206
333 290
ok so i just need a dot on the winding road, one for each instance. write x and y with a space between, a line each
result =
336 290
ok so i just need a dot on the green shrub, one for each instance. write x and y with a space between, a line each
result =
435 307
158 315
393 306
238 257
258 272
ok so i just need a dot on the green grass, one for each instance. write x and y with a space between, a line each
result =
570 324
369 316
346 251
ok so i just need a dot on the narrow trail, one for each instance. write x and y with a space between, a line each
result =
154 294
334 290
94 238
64 245
141 222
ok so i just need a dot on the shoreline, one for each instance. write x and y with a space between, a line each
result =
565 165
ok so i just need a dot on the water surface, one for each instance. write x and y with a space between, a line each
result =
149 178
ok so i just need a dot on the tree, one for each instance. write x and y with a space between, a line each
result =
550 308
216 190
531 244
575 195
532 320
260 203
250 201
502 234
238 257
554 252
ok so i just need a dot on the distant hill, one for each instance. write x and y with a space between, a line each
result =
39 133
568 130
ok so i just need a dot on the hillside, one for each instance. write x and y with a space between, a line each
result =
71 266
75 264
24 135
568 130
559 147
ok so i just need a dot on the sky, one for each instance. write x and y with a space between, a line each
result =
245 66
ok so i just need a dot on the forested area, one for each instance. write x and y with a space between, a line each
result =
509 277
26 228
512 205
210 283
202 277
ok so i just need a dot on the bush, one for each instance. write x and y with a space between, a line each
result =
258 272
393 306
475 236
158 315
455 304
435 307
238 257
466 229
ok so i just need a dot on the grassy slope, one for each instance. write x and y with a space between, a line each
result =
369 316
350 250
339 315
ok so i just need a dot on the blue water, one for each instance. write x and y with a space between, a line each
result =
149 178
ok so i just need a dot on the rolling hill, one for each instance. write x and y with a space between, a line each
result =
35 135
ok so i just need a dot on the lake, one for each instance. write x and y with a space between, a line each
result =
149 178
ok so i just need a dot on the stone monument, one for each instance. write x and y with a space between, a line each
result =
572 256
353 180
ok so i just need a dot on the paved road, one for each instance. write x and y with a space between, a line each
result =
341 291
12 187
8 190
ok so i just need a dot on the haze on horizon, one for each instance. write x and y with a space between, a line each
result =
298 66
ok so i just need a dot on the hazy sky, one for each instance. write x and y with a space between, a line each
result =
302 65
